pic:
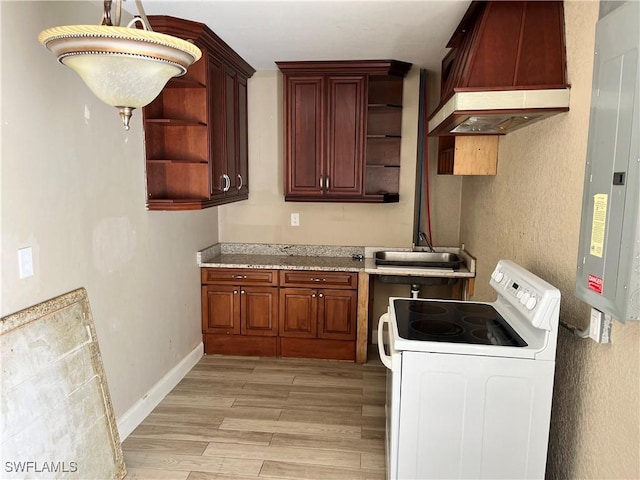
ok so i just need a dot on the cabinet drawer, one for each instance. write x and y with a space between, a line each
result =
319 279
239 276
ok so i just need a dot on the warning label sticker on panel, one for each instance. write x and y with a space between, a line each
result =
595 283
598 224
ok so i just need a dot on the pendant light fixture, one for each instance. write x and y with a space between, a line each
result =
123 66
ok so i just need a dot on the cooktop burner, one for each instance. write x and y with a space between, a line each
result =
457 322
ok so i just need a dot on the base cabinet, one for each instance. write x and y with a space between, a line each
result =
240 311
271 313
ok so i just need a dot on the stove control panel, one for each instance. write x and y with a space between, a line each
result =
529 294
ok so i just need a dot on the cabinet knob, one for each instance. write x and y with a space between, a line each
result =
313 295
242 292
321 295
235 292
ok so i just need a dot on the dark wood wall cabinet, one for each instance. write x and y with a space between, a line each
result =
287 313
343 122
196 130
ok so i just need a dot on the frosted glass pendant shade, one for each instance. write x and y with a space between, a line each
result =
118 80
124 67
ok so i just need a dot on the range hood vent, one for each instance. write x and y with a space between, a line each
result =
506 69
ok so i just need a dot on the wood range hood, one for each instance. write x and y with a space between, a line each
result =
506 69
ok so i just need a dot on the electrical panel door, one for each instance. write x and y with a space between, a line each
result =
608 272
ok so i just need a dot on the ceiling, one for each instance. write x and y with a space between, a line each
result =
265 31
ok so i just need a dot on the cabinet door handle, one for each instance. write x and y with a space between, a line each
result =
227 182
321 183
222 182
327 182
240 180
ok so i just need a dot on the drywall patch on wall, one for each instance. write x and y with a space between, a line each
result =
114 243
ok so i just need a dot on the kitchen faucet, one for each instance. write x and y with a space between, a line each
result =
423 237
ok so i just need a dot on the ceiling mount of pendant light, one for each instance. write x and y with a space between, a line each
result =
123 66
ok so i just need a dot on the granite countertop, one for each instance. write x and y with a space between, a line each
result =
283 257
320 257
282 262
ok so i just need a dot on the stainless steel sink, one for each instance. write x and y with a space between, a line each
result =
418 259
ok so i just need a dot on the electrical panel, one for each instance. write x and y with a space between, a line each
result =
608 272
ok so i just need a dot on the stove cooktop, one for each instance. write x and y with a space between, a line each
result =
454 322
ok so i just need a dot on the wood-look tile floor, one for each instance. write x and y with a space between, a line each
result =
249 418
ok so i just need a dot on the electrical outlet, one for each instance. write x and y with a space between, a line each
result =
295 219
25 262
600 326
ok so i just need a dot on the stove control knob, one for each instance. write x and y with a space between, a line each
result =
531 303
498 276
525 298
519 294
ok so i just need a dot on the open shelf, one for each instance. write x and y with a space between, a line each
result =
177 180
384 131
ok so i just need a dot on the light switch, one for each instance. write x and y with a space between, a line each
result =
25 262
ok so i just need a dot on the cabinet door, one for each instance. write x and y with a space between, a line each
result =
337 310
230 127
221 309
242 172
304 145
346 111
298 312
259 311
218 123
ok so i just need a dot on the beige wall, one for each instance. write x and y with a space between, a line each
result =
530 212
73 188
265 217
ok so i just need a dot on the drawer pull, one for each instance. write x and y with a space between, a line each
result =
239 276
235 292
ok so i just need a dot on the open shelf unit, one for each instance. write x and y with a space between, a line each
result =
384 136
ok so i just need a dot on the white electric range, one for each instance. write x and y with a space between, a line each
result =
469 384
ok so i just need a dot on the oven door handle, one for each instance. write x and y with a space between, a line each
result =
384 358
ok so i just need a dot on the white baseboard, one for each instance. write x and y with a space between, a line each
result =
143 407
